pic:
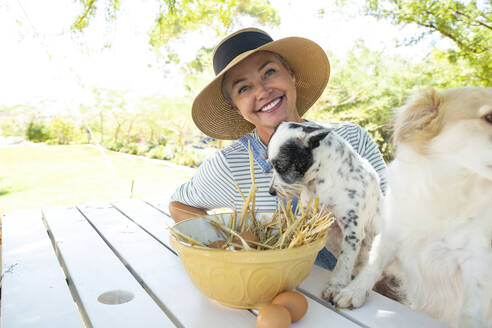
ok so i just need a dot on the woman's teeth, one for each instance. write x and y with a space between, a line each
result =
270 105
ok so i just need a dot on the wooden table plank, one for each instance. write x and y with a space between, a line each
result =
34 290
94 270
377 312
161 203
147 217
159 269
154 221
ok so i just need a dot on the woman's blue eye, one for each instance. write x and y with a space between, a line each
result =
270 72
242 89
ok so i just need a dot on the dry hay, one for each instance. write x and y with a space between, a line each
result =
287 227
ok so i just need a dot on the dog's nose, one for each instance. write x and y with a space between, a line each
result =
272 191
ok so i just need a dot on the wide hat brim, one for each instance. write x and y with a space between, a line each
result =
217 118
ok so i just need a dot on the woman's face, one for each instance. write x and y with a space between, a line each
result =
263 91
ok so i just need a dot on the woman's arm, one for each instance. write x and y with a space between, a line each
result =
180 211
374 157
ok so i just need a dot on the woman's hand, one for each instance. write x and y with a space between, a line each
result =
180 211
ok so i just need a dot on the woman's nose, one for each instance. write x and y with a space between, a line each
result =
263 90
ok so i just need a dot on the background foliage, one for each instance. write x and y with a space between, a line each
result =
466 23
175 18
365 86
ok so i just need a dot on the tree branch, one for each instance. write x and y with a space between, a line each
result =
86 12
476 20
351 100
460 44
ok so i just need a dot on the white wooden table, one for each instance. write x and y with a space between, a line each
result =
110 265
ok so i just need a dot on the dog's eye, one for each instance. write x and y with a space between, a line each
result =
279 166
488 118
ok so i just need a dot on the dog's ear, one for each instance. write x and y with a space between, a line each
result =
419 121
315 140
274 131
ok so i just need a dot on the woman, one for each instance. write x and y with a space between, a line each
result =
259 83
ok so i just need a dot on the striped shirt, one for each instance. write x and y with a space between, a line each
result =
214 184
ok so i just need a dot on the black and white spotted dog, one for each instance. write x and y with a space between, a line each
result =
313 161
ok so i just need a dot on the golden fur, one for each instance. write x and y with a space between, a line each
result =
439 221
427 113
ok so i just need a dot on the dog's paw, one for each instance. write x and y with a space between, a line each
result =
350 297
332 290
345 297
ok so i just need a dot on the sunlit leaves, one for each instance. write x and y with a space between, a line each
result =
89 8
175 17
467 23
191 15
198 72
367 86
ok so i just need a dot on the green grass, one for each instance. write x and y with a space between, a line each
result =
35 176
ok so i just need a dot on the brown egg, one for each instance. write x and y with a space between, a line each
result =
273 316
217 244
248 236
295 302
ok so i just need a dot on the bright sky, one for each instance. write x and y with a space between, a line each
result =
41 61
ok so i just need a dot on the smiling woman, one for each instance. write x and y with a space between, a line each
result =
259 83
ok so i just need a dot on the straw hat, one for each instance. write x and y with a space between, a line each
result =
215 116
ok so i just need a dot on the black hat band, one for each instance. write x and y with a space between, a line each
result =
235 46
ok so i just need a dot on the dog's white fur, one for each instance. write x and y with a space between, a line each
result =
343 181
439 224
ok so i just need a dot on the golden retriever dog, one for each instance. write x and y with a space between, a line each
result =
439 219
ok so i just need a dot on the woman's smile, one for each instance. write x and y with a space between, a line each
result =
272 105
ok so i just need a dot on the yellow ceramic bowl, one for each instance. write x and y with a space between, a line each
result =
242 279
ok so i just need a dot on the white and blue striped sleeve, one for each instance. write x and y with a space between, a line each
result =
211 187
370 151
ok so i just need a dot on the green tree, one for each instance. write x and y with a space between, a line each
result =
63 130
15 119
166 120
467 23
366 87
89 10
37 131
198 72
112 108
177 17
